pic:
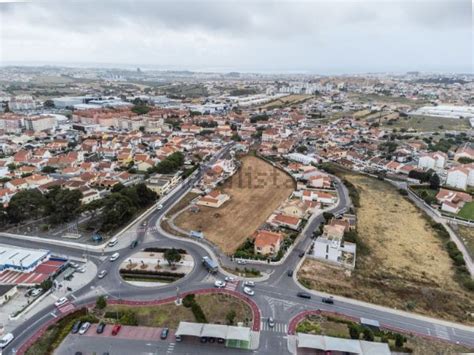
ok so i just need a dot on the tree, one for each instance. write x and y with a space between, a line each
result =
48 104
101 302
399 340
434 181
11 167
172 256
26 204
354 331
230 317
141 109
129 318
368 334
46 284
62 204
236 138
302 149
48 169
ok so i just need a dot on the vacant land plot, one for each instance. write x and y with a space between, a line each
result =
428 124
405 264
467 211
286 101
467 236
215 307
255 191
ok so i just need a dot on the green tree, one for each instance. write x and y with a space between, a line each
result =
172 256
101 302
48 169
129 318
230 317
302 149
354 331
434 181
46 284
62 204
48 104
141 109
26 204
368 334
399 340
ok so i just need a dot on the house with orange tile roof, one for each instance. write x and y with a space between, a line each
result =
267 243
452 201
281 220
213 199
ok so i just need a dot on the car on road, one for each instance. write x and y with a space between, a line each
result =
229 278
249 291
114 257
36 292
76 327
100 328
328 300
116 329
304 295
271 322
74 265
134 244
84 328
249 283
112 242
159 207
82 269
301 254
61 301
219 284
164 333
241 262
102 274
290 273
7 339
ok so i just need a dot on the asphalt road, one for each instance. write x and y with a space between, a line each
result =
276 296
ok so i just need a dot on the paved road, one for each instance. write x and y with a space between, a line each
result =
276 296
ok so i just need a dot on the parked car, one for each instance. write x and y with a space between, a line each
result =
134 244
178 338
164 333
102 274
271 322
61 301
249 291
328 300
219 284
74 265
116 329
241 262
249 283
100 328
84 328
82 269
7 339
76 327
290 273
229 278
303 295
36 292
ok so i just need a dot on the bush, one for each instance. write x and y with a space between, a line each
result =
198 313
354 331
368 334
129 318
189 300
101 302
403 192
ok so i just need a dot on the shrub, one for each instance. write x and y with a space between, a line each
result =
368 334
354 331
198 313
189 300
101 302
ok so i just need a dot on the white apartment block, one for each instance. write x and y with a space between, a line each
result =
40 123
461 177
435 161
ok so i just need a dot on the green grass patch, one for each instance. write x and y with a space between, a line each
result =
467 211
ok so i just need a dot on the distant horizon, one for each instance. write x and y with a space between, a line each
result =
174 68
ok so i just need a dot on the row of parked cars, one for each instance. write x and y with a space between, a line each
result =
82 328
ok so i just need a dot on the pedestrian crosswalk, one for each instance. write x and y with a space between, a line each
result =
67 307
170 348
277 328
441 331
231 285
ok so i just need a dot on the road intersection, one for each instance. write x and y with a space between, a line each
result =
275 294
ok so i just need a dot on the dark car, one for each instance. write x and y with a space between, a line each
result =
164 333
327 300
134 244
303 295
290 273
76 327
100 328
301 254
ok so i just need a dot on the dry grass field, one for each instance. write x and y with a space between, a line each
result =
286 101
405 265
467 235
255 191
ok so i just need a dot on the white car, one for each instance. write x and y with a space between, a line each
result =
84 328
7 339
249 283
61 301
249 291
229 278
102 274
114 256
159 207
82 269
36 292
219 284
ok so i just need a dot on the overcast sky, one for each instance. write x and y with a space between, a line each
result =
329 36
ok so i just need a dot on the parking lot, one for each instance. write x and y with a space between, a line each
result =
117 345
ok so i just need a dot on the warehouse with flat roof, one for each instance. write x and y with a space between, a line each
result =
20 259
